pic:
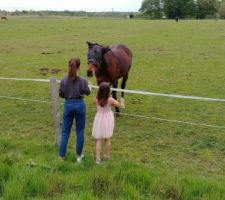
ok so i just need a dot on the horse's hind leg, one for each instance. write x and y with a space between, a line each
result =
123 85
115 85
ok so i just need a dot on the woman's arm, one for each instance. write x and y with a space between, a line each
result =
87 89
61 89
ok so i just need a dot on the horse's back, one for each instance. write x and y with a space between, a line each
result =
118 61
123 48
123 54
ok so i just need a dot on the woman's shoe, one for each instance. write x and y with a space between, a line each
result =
62 158
79 158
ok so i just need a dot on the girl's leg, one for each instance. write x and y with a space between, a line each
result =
107 147
98 149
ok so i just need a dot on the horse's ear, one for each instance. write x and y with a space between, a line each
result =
105 50
90 45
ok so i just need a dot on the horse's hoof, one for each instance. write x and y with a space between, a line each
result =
122 104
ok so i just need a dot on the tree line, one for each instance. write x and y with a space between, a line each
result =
200 9
153 9
46 13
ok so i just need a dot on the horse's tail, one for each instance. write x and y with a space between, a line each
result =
130 55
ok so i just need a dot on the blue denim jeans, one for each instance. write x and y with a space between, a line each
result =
73 109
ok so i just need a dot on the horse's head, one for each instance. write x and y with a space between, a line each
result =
95 57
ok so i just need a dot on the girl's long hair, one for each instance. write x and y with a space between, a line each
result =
103 93
74 64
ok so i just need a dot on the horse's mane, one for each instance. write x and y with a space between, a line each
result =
99 45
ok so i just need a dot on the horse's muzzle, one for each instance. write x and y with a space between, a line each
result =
89 73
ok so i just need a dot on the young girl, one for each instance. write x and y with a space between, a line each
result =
103 124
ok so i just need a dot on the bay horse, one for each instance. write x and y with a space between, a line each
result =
109 64
4 18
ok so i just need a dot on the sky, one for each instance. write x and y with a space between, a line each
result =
73 5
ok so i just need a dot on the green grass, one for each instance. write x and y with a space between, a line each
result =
151 159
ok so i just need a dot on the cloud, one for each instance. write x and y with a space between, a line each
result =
85 5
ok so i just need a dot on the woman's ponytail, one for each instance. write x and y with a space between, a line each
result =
74 64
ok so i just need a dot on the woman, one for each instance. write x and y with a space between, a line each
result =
73 88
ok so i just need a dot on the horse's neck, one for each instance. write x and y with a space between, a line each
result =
101 71
102 75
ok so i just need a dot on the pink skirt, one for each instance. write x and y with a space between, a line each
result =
103 124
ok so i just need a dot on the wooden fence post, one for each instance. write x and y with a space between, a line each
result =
55 110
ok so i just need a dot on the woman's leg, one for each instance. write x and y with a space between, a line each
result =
66 128
107 147
80 117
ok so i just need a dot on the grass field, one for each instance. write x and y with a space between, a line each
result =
151 159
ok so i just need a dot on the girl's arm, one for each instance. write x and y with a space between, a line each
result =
96 102
114 102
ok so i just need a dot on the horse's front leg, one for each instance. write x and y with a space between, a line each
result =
115 85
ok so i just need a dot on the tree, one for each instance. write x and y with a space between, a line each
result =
179 8
205 7
151 8
222 10
172 8
190 9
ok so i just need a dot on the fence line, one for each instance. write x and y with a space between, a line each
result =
22 99
130 91
173 120
55 109
131 115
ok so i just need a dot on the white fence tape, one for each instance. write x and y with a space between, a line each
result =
129 91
